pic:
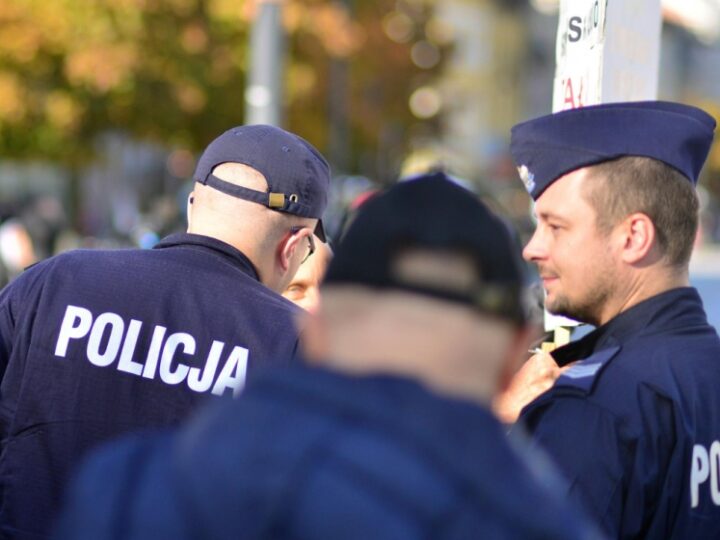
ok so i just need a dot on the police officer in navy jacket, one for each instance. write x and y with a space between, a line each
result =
634 417
98 343
385 433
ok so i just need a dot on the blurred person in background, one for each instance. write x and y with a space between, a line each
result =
386 432
98 343
633 419
304 288
17 247
45 219
17 250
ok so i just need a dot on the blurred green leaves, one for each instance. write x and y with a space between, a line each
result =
173 71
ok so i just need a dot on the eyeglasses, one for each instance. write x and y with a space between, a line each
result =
311 241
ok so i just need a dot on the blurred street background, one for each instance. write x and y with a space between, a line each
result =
105 104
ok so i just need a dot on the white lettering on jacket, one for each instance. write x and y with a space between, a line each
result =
705 472
108 341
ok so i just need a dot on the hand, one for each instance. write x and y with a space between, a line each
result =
535 377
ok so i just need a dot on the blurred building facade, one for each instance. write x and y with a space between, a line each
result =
498 69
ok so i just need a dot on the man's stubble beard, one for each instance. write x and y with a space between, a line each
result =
587 309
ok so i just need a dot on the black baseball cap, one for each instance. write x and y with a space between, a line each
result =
297 174
432 213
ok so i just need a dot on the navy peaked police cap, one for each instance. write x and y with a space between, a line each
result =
297 174
546 148
433 213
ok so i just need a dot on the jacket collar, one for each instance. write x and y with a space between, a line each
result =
400 404
445 431
217 247
676 308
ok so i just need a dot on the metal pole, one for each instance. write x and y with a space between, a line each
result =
339 141
264 92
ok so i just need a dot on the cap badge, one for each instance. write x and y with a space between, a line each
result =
527 178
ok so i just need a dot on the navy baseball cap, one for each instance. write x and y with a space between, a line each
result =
297 175
546 148
432 213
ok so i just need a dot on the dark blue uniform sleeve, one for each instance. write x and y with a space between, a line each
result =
612 463
583 441
124 491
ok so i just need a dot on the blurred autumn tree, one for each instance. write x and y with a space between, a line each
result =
173 71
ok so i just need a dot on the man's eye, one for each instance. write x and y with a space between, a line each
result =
295 292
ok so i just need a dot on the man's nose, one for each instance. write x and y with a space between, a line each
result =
535 249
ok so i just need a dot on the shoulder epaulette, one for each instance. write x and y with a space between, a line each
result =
584 373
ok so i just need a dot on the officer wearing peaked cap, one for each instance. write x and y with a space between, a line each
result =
98 343
633 419
385 433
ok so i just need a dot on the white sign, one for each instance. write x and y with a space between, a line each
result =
607 50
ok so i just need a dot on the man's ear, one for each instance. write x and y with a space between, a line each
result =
636 236
289 244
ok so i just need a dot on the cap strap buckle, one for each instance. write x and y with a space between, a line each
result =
276 200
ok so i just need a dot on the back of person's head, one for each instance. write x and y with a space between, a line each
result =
426 283
262 190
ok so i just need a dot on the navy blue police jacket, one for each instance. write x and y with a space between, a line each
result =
94 344
635 425
308 453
